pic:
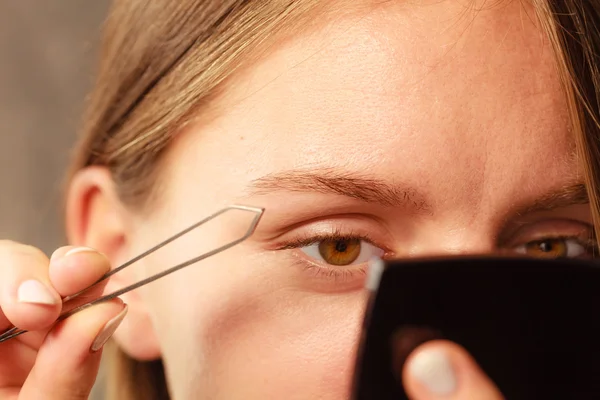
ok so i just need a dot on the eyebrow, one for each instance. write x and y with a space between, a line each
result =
565 196
371 190
352 185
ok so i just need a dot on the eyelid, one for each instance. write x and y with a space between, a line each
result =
279 230
557 228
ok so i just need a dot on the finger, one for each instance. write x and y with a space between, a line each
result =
27 298
444 370
17 360
73 269
67 363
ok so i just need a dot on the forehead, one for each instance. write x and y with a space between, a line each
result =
452 96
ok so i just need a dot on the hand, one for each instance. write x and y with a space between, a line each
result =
52 361
443 370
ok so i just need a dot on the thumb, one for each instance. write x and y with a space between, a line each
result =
444 370
68 361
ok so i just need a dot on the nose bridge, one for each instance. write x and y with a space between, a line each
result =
445 240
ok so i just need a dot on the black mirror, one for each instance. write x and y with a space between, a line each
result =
532 325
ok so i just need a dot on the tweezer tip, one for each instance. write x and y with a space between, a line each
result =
258 210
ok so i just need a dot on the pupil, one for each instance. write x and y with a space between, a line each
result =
546 247
341 246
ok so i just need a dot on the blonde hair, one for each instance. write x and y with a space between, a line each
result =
162 61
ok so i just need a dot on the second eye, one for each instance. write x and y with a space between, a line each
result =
342 251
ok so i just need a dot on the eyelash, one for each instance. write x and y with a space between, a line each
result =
308 240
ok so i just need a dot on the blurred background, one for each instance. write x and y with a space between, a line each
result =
48 50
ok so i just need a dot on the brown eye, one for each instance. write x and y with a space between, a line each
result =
558 248
548 248
340 251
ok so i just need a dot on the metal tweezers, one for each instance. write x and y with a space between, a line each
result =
14 331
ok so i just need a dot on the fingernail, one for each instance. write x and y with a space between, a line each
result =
35 292
108 330
79 250
434 370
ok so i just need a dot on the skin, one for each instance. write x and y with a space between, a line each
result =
459 112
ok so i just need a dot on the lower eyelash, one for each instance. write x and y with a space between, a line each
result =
343 274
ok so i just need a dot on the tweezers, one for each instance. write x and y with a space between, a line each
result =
258 212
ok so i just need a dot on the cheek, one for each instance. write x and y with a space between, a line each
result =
286 342
247 331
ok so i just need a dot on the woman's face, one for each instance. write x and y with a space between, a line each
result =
403 130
